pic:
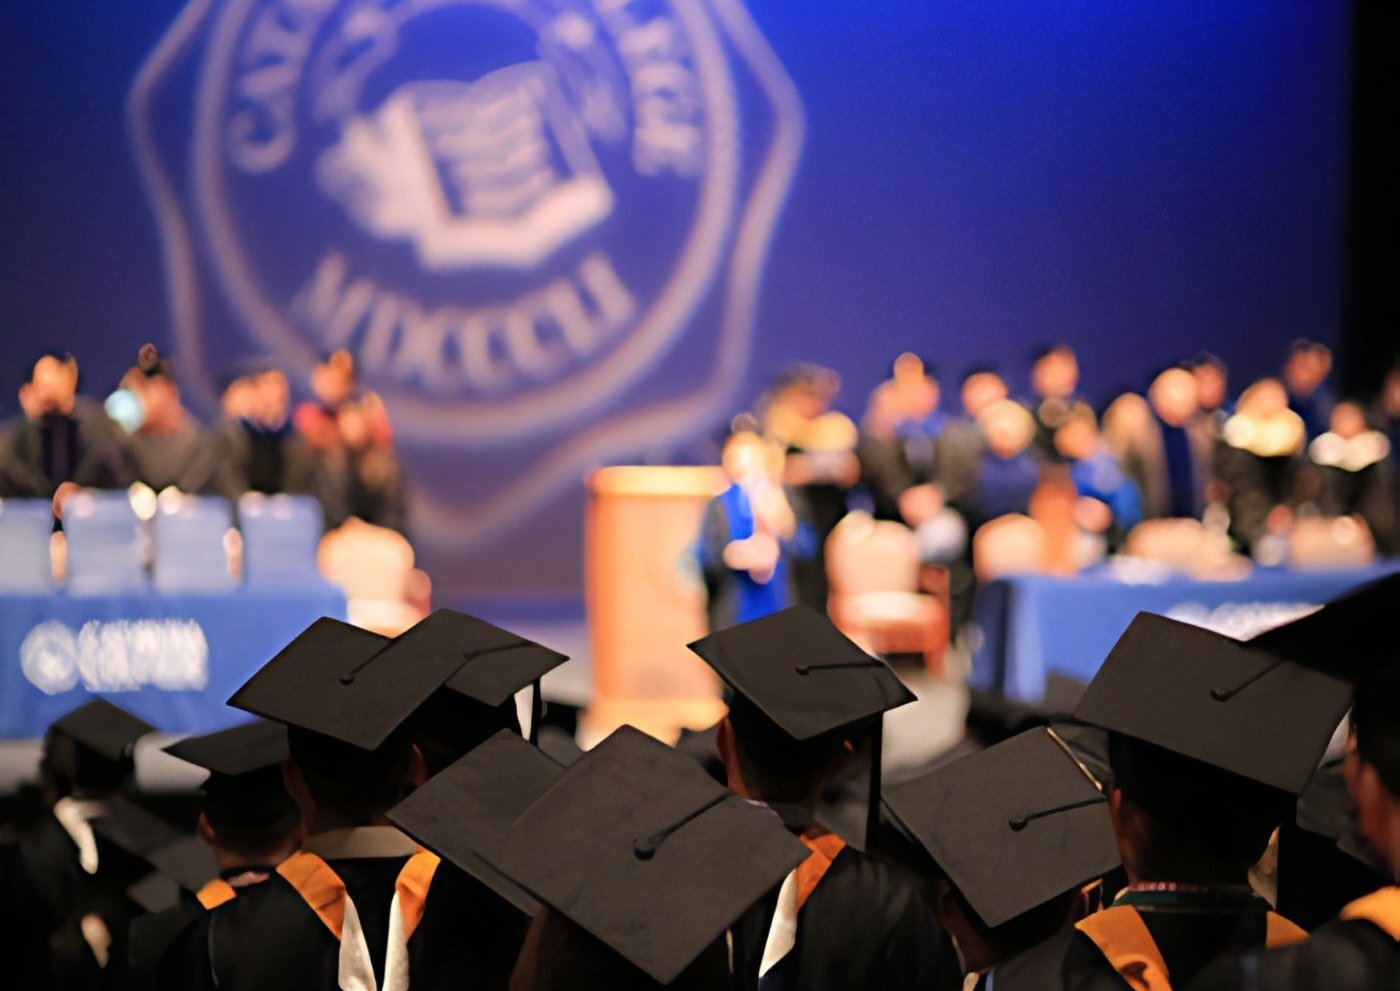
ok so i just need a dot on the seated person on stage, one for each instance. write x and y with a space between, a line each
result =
361 905
1259 462
1023 829
1212 388
752 534
821 465
962 444
247 820
803 695
1360 951
1350 473
1055 385
1305 374
1164 444
63 907
1009 470
165 445
1109 503
63 440
264 453
348 428
1210 743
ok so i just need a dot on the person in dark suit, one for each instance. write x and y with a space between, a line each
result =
62 441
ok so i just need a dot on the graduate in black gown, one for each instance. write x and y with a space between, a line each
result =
802 693
248 825
361 905
1023 828
63 906
1360 949
1210 740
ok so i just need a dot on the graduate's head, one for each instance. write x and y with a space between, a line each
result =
980 946
449 725
980 388
88 751
250 819
1373 762
336 784
766 764
1178 819
1055 372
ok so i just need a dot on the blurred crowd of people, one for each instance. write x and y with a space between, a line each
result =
1249 466
337 446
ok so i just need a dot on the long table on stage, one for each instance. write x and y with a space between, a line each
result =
1028 626
171 658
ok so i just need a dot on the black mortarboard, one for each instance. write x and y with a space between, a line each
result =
103 728
237 750
473 803
183 865
1217 700
330 680
133 828
1013 826
808 678
1348 637
640 848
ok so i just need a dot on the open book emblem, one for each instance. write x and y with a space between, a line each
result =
493 172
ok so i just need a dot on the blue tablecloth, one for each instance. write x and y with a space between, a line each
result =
173 659
1030 626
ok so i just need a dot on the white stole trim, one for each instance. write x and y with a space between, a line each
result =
73 814
356 969
782 933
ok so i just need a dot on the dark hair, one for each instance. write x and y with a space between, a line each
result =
1018 934
1375 716
1046 350
449 725
1203 358
779 767
348 782
1203 819
56 354
251 814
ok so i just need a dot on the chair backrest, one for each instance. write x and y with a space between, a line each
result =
26 530
1328 543
1013 544
280 537
864 554
106 543
189 534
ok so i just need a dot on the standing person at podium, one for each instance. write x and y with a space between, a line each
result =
62 440
752 533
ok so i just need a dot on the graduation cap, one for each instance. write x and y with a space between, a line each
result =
181 868
808 678
1226 703
91 746
492 665
105 729
636 845
1013 826
133 828
244 789
1346 637
473 803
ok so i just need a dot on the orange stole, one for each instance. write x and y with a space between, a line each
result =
1123 938
1381 909
215 893
323 890
810 872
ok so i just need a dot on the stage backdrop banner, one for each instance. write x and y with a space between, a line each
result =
564 233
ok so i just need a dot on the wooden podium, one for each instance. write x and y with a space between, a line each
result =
645 602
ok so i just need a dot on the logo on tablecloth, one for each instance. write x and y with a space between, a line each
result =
521 217
120 656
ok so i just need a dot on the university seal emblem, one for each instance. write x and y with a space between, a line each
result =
538 224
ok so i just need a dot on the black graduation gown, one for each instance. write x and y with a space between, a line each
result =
268 939
1341 956
865 925
1035 969
1188 941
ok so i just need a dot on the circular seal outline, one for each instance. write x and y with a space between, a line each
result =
700 259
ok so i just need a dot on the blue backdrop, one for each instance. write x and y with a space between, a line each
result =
674 200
